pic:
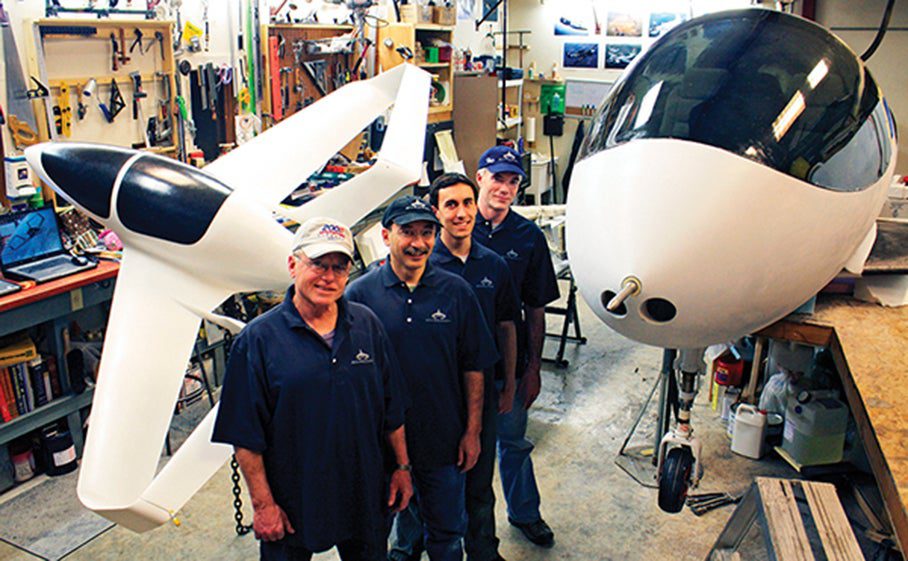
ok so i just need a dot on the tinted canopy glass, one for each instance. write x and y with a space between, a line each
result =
168 200
767 86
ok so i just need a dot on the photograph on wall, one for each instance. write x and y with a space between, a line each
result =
661 22
465 9
581 55
624 24
575 19
619 56
488 5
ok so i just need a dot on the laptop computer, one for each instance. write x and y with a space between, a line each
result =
31 248
7 287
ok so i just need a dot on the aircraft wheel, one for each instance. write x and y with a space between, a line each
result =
673 485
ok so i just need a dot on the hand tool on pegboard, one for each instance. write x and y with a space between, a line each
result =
20 114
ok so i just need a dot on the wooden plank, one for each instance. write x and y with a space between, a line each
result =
756 368
783 521
838 539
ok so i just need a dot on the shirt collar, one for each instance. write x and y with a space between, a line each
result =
504 223
389 277
445 255
294 320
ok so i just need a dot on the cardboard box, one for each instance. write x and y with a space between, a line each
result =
17 352
444 15
413 13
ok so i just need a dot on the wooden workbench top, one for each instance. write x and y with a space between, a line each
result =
104 270
870 347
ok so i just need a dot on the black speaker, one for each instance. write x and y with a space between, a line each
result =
553 125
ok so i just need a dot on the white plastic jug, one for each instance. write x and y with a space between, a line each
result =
750 426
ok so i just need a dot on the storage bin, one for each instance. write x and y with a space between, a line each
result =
814 431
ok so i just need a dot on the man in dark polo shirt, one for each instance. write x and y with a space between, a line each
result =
441 339
312 393
522 245
453 196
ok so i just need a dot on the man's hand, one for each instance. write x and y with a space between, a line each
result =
506 398
532 385
270 523
468 451
401 486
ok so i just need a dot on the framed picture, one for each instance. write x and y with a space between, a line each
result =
619 56
661 22
624 24
580 55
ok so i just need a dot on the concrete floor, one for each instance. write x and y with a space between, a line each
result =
596 510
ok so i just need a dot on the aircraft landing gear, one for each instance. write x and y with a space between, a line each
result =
679 467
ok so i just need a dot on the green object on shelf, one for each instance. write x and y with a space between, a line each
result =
547 96
431 54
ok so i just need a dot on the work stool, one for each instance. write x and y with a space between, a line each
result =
569 313
800 520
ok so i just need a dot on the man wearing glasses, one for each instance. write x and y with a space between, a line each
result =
439 334
311 394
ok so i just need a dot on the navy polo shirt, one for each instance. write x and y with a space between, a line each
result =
488 275
438 333
318 416
522 245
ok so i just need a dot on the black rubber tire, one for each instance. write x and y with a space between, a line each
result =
673 485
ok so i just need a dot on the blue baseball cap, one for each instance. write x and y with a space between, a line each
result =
501 159
406 210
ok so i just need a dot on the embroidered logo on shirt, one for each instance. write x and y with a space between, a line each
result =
511 254
438 317
486 282
362 357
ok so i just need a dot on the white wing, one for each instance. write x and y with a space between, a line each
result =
399 161
149 340
277 161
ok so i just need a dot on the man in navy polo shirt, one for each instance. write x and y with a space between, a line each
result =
438 332
311 394
523 246
453 196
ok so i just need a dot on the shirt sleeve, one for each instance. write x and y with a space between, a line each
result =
507 306
540 285
243 413
476 349
395 388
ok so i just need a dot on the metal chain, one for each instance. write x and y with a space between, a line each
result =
241 529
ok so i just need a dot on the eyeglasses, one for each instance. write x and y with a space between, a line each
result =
322 269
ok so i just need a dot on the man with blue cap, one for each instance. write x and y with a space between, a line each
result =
523 246
441 340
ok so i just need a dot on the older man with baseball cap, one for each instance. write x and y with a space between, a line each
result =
311 393
438 332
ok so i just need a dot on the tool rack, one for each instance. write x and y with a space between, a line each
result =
289 87
60 43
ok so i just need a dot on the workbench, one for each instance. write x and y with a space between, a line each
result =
52 303
869 344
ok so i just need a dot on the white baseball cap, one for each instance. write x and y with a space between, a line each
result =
321 236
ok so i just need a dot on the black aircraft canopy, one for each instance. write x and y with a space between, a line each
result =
767 86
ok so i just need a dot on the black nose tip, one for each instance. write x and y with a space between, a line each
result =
85 172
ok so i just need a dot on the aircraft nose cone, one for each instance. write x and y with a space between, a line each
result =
84 174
